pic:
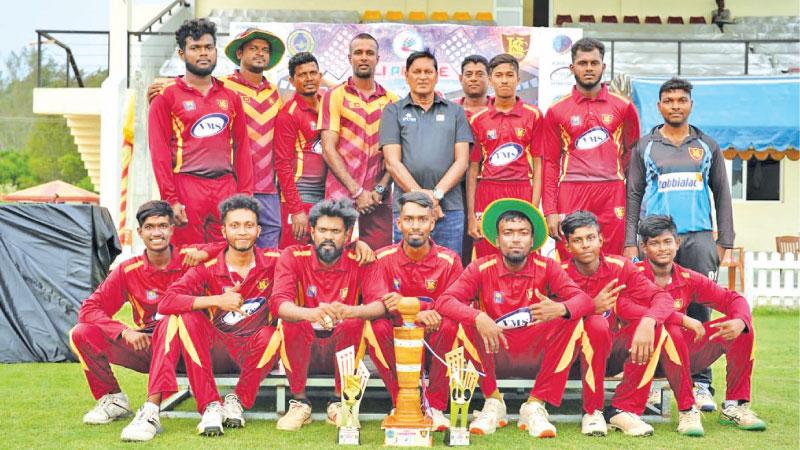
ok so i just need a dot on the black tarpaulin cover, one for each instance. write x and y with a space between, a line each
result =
51 258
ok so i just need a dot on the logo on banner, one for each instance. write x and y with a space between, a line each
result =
430 285
696 153
407 42
209 125
562 43
680 181
592 138
300 41
516 45
505 154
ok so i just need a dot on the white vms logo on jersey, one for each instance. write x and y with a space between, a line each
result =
680 181
505 154
592 138
515 319
209 125
250 306
316 147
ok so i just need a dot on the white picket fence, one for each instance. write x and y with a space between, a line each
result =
772 280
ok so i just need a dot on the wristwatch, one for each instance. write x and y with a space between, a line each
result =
380 189
438 194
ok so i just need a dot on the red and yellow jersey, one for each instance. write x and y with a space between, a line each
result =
429 277
202 135
688 286
298 155
301 279
586 140
506 143
500 291
656 302
214 278
139 283
357 121
260 104
468 113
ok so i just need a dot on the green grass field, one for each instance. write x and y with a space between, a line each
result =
42 406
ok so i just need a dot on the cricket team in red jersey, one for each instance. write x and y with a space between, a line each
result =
222 289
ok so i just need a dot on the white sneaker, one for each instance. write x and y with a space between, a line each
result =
690 423
534 418
594 424
743 417
703 399
440 422
234 411
109 408
299 414
491 417
654 398
333 412
211 422
145 426
630 424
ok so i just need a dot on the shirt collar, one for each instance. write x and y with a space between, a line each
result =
677 280
602 268
517 110
239 78
220 268
601 96
174 265
340 266
302 104
181 82
379 90
405 260
526 271
655 134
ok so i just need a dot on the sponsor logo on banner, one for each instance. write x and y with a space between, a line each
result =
592 138
619 211
516 45
515 319
505 154
300 41
250 306
696 153
407 42
430 285
562 43
680 181
209 125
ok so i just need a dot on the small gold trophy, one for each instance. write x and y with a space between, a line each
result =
353 382
462 383
407 426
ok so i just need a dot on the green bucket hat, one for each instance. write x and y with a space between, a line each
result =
498 207
276 46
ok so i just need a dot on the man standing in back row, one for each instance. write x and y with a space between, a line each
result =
587 139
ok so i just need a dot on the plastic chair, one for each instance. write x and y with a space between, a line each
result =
652 19
562 19
439 16
416 16
630 19
393 16
484 16
462 16
609 19
787 244
697 20
371 15
675 20
736 263
586 18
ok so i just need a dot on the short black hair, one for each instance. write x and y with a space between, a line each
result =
238 201
654 226
154 208
579 219
419 198
195 28
674 84
475 59
299 59
512 215
504 58
362 36
341 208
587 44
424 53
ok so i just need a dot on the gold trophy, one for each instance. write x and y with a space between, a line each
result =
407 426
462 384
353 382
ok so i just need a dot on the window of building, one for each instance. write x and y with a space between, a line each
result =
755 180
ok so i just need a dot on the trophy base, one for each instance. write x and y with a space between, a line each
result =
349 436
408 437
456 437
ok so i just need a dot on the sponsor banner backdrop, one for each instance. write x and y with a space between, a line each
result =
543 53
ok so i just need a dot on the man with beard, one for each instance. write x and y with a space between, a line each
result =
349 121
674 171
732 335
474 84
220 304
198 139
98 340
514 288
416 267
635 345
587 138
316 296
505 161
298 151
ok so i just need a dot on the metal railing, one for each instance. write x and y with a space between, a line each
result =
46 37
680 42
159 18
